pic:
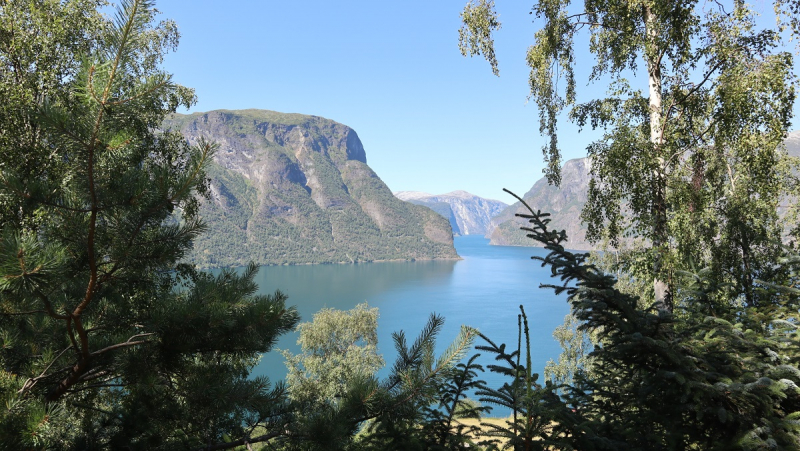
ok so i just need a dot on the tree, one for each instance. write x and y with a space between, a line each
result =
696 157
534 407
35 66
414 407
575 348
442 427
713 375
337 348
354 409
107 341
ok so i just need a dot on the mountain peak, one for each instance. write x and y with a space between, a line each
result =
468 214
411 195
461 194
565 204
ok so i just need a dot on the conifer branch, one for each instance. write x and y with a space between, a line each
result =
141 94
94 386
48 307
124 344
30 382
243 441
96 374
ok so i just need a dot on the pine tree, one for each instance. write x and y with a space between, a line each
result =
360 411
535 408
107 341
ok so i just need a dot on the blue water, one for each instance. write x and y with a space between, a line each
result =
484 290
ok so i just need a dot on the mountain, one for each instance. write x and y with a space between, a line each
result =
792 143
468 214
565 204
296 189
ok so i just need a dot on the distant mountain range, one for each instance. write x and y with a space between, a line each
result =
565 204
468 214
294 189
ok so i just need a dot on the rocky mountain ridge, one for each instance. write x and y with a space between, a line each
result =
468 214
296 189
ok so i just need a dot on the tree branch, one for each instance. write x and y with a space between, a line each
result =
241 442
32 381
123 345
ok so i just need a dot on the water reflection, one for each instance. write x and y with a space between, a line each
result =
314 287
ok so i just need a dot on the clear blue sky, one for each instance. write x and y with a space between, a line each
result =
430 119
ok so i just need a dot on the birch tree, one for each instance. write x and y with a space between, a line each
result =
699 97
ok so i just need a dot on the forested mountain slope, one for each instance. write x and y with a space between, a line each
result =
295 189
468 214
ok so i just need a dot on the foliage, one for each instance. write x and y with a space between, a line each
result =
441 427
368 413
698 158
717 374
436 422
534 408
107 343
35 66
575 347
414 384
337 347
576 342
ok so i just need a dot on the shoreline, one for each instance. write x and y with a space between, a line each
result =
356 262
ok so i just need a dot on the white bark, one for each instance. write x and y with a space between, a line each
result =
653 57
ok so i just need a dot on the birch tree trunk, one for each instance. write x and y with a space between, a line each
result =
653 56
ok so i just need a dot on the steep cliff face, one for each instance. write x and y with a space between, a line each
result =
293 189
468 214
565 204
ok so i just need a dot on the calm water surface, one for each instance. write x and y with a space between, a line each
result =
484 290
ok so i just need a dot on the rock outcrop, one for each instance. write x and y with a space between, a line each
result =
564 204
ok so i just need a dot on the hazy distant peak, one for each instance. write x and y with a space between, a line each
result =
457 194
468 214
411 195
792 143
461 194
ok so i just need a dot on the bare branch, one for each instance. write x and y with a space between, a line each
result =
32 381
123 345
242 442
